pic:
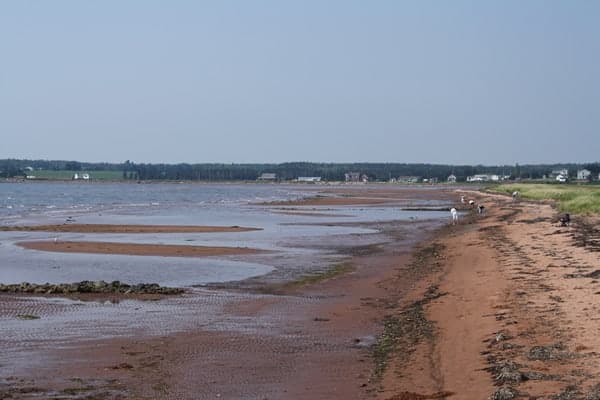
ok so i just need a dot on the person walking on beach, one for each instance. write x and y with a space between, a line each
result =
454 214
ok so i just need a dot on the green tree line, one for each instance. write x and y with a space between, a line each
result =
288 171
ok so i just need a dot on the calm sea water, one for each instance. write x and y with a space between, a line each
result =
183 204
46 200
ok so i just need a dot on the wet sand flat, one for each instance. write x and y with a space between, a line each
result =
137 249
312 340
111 228
349 200
366 195
309 341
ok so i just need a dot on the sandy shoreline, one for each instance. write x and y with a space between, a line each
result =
162 250
501 306
515 315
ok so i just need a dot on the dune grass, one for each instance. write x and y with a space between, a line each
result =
576 199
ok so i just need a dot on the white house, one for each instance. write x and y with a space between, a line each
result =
85 177
564 172
352 176
267 176
583 174
479 178
451 178
309 179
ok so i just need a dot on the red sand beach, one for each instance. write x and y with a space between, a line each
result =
498 305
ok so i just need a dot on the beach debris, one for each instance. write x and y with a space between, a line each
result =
364 341
594 275
508 375
569 393
502 336
28 316
89 287
594 393
506 372
403 331
418 396
554 351
504 393
123 365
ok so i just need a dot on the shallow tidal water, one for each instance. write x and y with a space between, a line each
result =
299 243
168 204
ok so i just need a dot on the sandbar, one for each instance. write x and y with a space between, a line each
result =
113 228
138 249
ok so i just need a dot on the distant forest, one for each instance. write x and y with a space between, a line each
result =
128 170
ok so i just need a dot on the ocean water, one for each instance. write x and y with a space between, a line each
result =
177 204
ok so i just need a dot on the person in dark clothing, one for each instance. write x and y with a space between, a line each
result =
565 220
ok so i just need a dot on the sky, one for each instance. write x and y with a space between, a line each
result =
450 82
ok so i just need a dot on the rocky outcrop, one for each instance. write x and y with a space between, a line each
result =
89 287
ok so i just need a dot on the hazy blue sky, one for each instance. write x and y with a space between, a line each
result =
272 81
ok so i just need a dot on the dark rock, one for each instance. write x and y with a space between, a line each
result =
89 287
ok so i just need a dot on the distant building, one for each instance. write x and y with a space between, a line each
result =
451 178
584 174
479 178
352 176
409 179
309 179
564 172
85 177
561 178
268 176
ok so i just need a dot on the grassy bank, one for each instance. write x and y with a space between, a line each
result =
577 199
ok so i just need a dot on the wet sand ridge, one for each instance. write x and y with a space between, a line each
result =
113 228
163 250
